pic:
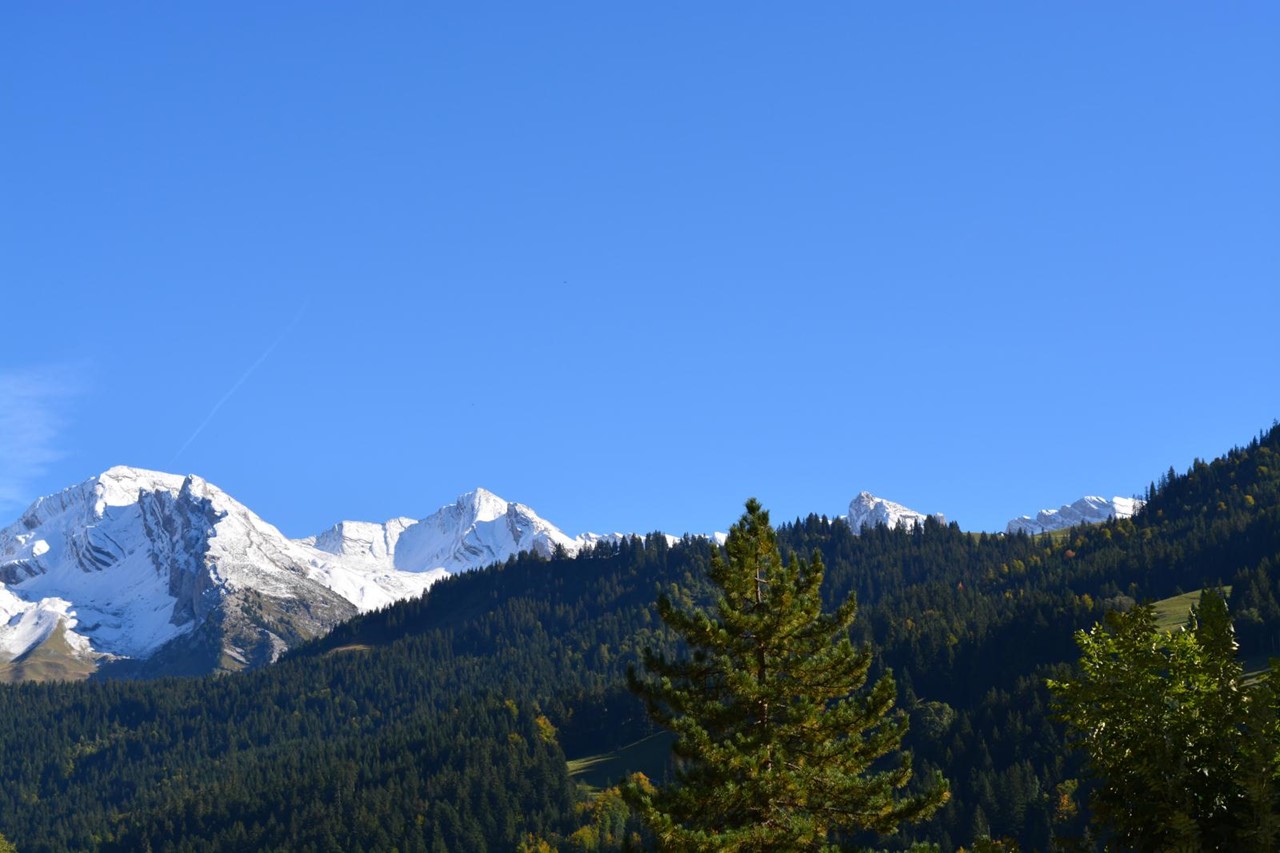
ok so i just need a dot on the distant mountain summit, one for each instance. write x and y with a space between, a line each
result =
867 510
145 573
477 530
150 573
1087 510
133 562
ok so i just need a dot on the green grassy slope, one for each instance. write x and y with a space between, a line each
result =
52 660
650 756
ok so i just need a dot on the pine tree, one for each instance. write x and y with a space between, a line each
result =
777 745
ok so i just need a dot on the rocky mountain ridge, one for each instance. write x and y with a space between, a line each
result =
143 572
137 566
1090 509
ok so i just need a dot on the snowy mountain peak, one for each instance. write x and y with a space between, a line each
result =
171 571
120 485
867 510
124 486
361 540
477 530
131 560
1090 509
481 505
89 500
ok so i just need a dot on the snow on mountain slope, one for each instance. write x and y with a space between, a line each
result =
356 560
588 540
480 529
361 540
132 561
372 564
28 624
57 553
477 530
1088 510
137 566
867 510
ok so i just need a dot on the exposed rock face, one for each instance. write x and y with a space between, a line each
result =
154 573
132 561
146 573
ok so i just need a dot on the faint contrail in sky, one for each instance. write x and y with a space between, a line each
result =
236 387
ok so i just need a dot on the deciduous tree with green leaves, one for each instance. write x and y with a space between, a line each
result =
1185 750
778 746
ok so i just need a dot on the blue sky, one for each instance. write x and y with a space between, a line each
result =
632 263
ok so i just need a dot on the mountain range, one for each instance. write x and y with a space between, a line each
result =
141 573
150 573
1088 510
458 719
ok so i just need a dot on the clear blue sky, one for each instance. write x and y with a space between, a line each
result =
633 263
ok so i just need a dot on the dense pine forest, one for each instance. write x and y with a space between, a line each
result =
445 723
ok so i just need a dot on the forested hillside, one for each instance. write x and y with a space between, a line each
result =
444 722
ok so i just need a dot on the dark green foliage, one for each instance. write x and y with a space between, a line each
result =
776 741
396 732
356 751
338 747
1187 755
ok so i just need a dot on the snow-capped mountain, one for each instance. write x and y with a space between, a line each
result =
147 572
867 510
1088 510
402 557
146 566
133 562
480 529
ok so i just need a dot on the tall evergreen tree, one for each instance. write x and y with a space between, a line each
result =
778 746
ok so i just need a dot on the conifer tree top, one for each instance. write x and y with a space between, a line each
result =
779 747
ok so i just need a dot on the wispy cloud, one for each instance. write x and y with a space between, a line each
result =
33 404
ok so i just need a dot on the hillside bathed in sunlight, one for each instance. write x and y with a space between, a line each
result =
450 719
592 427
